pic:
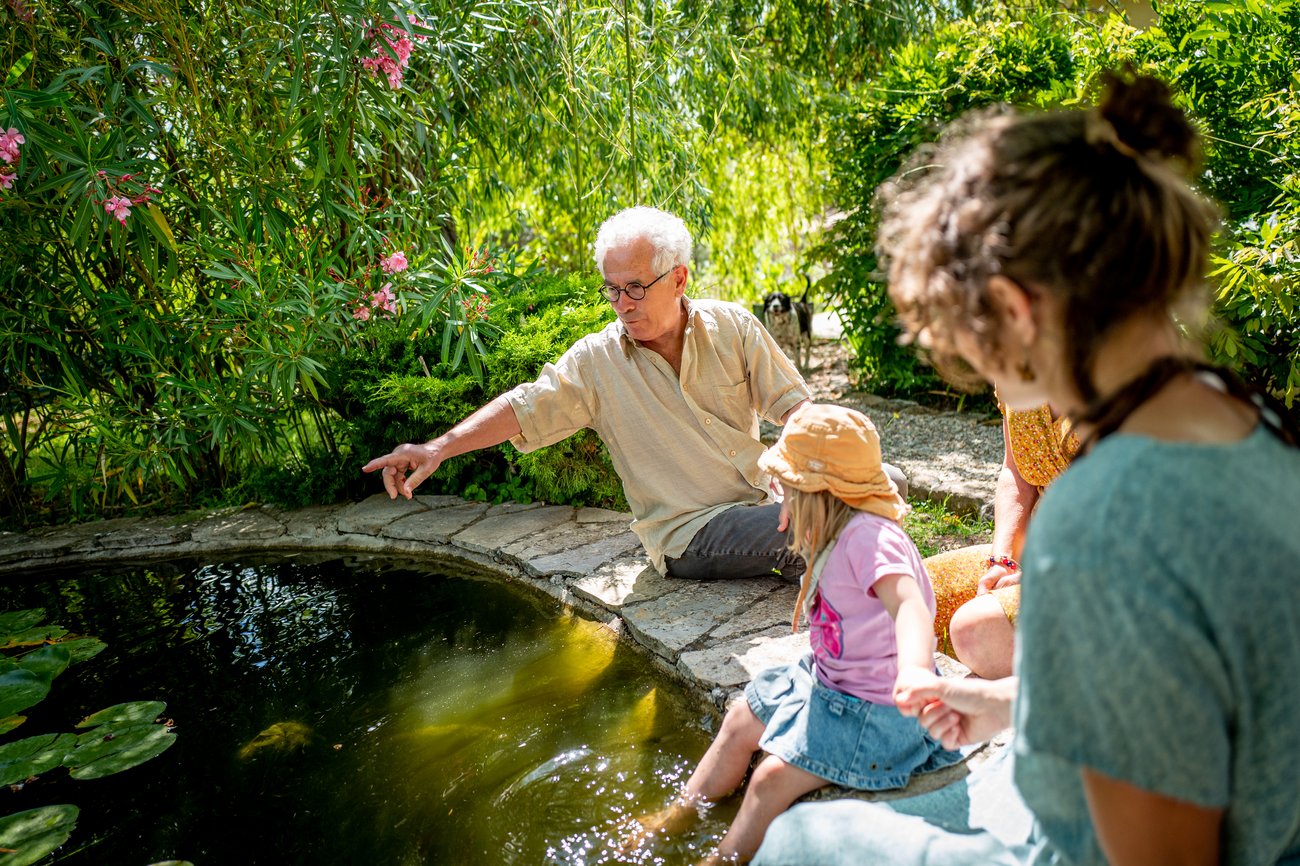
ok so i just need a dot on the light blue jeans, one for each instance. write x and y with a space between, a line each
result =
978 821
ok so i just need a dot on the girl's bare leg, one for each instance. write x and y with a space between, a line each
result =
772 789
720 772
725 764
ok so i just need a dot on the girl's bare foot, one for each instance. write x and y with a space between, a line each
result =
676 816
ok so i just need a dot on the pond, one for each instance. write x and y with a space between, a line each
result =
359 711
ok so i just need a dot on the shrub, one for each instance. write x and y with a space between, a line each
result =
1232 66
385 392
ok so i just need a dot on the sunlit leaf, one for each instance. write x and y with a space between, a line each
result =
32 756
18 620
113 747
47 662
36 833
132 712
21 689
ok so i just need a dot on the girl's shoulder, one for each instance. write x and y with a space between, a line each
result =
880 534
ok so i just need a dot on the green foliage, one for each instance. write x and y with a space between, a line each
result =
1011 57
1232 65
119 737
934 528
36 833
195 223
384 389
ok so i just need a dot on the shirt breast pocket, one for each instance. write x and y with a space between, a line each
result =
731 403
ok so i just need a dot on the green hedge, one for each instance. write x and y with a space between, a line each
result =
1232 64
383 391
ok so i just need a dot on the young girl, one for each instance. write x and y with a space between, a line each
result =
829 718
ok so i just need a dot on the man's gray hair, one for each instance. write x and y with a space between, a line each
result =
665 232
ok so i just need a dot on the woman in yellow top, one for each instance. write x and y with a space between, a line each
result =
977 589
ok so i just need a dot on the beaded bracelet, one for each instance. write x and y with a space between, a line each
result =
1005 561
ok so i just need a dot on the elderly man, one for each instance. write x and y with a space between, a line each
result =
674 388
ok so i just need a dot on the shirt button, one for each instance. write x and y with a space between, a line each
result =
733 453
708 420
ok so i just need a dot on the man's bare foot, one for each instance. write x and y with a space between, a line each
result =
676 816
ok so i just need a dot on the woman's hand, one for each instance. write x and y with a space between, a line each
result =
957 712
997 577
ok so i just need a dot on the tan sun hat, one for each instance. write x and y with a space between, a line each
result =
825 447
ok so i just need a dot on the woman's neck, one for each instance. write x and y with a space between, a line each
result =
1187 409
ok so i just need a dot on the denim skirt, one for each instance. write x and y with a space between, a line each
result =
841 738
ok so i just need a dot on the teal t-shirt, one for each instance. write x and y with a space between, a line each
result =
1158 635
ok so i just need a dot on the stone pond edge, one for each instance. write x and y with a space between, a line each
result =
712 637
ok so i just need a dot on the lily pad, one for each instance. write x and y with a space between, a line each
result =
9 723
20 689
32 636
47 662
17 620
132 713
82 648
34 834
32 756
112 748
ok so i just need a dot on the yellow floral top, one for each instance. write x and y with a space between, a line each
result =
1040 444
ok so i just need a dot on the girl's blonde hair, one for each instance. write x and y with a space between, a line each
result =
815 522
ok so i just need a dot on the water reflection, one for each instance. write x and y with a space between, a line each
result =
361 712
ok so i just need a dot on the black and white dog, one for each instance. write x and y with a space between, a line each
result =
790 323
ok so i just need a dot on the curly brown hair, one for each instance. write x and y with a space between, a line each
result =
1093 206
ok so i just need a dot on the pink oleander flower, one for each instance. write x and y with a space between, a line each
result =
361 313
394 264
7 180
392 66
10 141
384 299
119 207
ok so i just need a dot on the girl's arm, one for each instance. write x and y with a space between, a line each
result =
1136 826
913 624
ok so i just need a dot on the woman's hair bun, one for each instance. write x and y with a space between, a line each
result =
1140 111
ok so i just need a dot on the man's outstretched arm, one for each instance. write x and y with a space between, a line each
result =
406 466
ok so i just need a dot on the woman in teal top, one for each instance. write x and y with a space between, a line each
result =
1155 707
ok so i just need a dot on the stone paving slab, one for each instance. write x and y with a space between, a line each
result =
624 581
732 664
602 515
242 526
681 619
313 522
776 609
437 525
584 559
372 514
505 525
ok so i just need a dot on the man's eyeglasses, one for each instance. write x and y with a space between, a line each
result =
633 290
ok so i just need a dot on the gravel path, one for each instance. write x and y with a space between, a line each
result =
950 457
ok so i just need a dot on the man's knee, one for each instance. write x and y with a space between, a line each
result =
897 476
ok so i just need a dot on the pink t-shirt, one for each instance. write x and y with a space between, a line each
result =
851 632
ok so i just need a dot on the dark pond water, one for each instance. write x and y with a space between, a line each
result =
407 716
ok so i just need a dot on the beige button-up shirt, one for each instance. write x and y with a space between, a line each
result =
685 448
